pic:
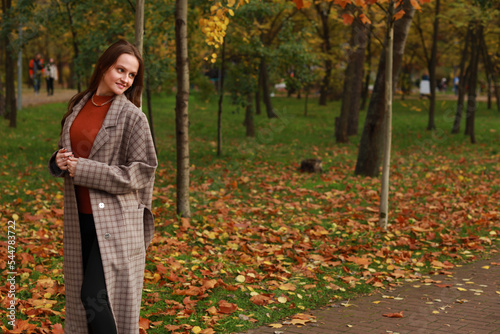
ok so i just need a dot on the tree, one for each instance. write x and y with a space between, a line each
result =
472 80
324 9
181 108
347 123
431 61
372 139
7 45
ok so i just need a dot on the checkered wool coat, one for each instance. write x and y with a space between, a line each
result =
120 175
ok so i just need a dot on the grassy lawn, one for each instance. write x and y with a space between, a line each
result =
266 241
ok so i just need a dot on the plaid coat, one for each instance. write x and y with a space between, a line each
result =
120 174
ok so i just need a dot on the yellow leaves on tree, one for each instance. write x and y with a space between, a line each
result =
215 25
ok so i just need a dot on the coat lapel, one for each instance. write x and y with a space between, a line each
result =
110 120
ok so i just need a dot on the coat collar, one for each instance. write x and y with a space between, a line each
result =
110 120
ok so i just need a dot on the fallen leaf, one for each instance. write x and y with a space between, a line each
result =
393 315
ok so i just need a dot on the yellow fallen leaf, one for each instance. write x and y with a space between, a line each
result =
299 322
15 217
196 329
486 267
498 292
461 289
240 279
435 312
275 325
282 300
376 302
287 287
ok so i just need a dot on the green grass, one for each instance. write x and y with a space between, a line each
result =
255 215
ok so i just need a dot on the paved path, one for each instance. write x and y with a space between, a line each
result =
60 95
467 301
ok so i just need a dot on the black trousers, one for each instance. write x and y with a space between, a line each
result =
50 86
93 294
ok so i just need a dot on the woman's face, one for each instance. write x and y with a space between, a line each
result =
119 77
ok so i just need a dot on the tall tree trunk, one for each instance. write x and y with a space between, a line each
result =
431 125
221 98
306 101
347 123
75 47
3 56
324 14
139 27
371 145
181 108
366 84
20 69
472 83
490 72
463 78
10 90
266 94
249 122
357 84
325 83
2 99
258 110
384 193
150 111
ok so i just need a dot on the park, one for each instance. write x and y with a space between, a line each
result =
395 228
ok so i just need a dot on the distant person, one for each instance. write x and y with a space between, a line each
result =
36 71
425 86
51 75
456 81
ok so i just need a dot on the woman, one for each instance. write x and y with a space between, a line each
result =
107 158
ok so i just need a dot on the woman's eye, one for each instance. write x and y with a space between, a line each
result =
120 70
132 75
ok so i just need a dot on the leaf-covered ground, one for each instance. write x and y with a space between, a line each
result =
265 241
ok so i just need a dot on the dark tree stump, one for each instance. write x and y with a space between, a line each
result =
311 166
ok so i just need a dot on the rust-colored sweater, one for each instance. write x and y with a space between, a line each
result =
82 133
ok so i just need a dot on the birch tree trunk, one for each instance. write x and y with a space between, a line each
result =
181 108
384 192
139 25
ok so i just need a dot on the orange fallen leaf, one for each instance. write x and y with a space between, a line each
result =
393 315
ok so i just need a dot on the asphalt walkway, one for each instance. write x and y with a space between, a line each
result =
464 301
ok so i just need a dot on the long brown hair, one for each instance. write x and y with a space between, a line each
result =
108 59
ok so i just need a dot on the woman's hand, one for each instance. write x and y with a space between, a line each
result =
72 162
62 157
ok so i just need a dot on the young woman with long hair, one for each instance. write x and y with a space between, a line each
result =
107 158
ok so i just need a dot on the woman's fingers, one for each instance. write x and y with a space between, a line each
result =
62 157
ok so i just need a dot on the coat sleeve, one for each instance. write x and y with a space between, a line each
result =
54 170
134 174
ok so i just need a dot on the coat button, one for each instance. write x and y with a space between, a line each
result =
101 205
107 236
